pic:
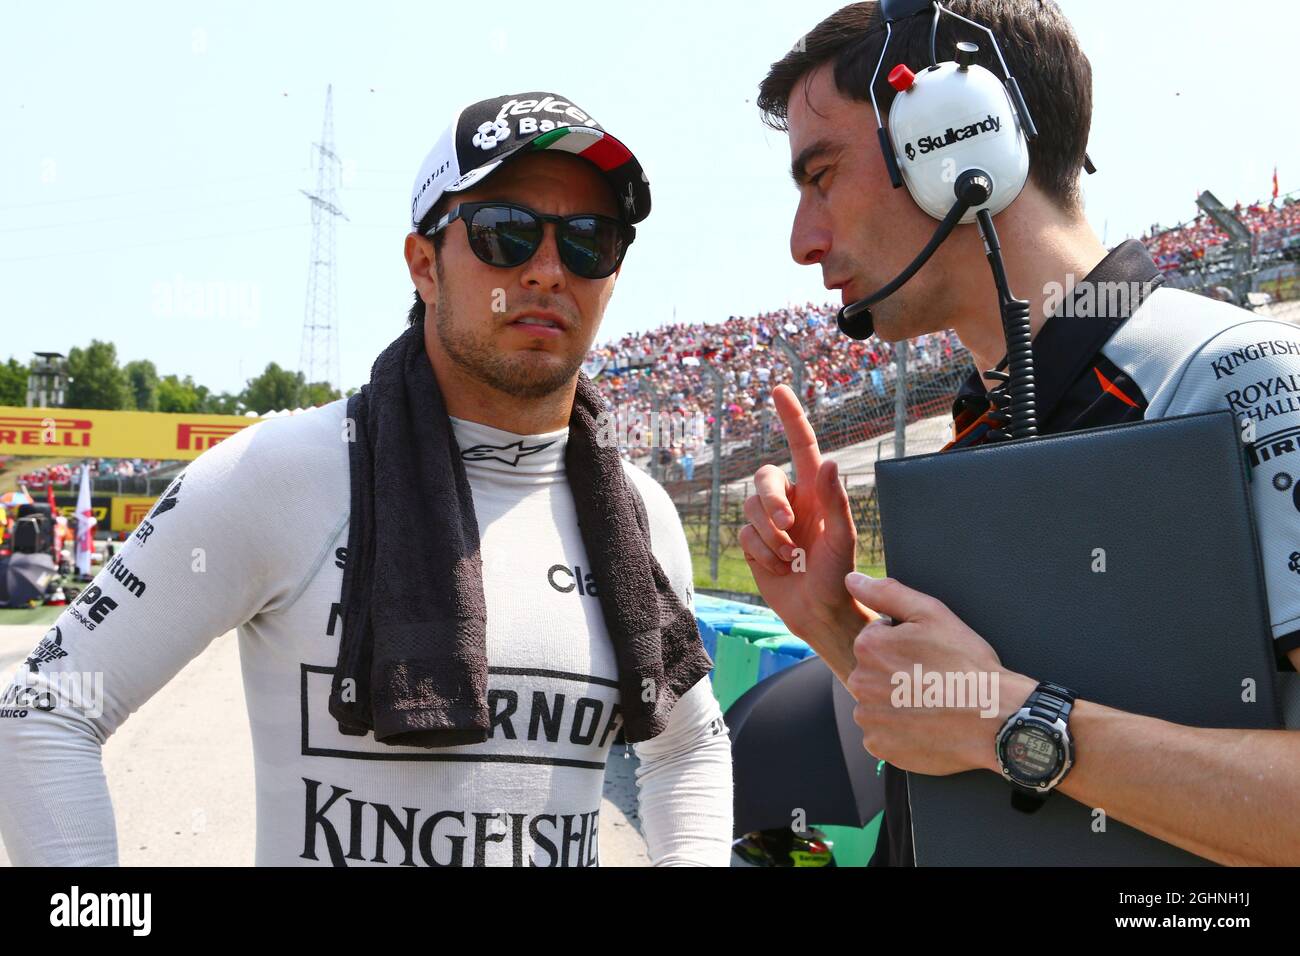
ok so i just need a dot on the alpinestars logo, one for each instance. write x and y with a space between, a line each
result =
170 498
489 134
508 454
928 144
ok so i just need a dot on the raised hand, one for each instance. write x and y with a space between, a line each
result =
801 542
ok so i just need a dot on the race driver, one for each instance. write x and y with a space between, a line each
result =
267 512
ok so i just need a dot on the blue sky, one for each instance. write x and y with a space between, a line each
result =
150 150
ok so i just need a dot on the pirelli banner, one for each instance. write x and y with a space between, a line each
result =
112 512
89 433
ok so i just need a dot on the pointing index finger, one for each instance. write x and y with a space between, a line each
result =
799 434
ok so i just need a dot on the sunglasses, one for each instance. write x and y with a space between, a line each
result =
506 235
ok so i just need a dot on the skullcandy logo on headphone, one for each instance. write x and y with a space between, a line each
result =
928 144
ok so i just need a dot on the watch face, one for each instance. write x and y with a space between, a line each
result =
1031 754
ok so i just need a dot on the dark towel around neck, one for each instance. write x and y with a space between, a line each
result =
412 664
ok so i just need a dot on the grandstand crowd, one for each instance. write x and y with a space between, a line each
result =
667 360
61 475
663 368
1275 226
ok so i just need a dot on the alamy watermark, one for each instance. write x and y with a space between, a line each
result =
215 299
960 689
629 427
1081 299
82 692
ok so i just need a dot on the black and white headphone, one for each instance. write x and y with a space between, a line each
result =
958 139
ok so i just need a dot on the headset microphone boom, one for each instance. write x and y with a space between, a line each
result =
958 139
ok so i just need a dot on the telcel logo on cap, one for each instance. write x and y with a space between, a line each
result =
556 107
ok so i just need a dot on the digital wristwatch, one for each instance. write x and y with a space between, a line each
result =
1034 748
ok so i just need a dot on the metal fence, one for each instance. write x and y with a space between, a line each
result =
912 416
146 486
866 401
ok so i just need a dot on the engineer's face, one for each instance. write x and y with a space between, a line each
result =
474 309
850 220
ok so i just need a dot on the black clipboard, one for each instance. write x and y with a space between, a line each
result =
1008 536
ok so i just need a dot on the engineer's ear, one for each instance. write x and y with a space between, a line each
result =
420 263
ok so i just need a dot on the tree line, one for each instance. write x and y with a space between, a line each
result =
97 380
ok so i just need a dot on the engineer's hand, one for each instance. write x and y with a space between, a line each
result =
800 543
906 670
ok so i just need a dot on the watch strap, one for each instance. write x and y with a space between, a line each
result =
1026 801
1049 702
